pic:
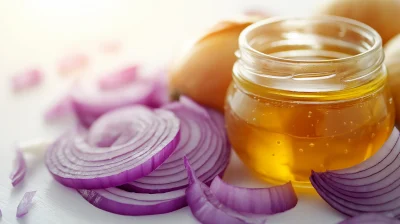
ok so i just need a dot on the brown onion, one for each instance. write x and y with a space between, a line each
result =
382 15
204 72
392 61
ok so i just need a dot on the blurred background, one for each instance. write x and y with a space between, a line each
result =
153 30
42 33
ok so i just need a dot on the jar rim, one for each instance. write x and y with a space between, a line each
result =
377 40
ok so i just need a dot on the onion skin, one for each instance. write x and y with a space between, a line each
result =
382 15
204 72
392 62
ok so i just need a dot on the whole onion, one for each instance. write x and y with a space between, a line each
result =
392 61
204 71
382 15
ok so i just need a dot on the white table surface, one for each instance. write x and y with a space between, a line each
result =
38 33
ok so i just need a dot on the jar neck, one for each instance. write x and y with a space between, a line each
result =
318 54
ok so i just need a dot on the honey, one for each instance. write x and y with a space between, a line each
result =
296 108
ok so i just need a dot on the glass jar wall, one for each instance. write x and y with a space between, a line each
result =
307 94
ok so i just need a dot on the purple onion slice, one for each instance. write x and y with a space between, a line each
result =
120 147
203 141
128 203
206 208
255 200
369 187
25 204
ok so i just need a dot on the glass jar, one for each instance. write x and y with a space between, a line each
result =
307 94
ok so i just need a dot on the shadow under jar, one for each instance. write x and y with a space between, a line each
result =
308 94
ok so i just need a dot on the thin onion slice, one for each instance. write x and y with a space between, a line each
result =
90 102
128 203
119 79
370 187
25 204
26 79
120 147
60 109
255 200
370 218
203 141
160 95
19 169
205 206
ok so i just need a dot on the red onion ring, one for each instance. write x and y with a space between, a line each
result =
205 206
120 147
369 187
128 203
255 200
90 103
119 79
203 141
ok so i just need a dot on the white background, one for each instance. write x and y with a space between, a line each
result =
40 32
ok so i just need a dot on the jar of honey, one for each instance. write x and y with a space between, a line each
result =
308 94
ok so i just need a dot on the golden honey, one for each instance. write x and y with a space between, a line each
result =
306 96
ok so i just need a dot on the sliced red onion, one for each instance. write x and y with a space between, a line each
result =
128 203
27 79
257 200
138 140
370 218
72 63
25 204
90 102
19 169
160 95
119 79
203 141
205 206
60 109
369 187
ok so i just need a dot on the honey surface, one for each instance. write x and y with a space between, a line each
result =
284 140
